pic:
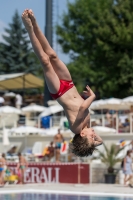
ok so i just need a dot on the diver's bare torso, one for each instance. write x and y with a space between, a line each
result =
71 102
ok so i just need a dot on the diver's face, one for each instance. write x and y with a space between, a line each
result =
90 134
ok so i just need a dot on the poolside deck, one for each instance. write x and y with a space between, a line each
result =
86 189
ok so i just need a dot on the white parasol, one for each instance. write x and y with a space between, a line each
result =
10 94
103 129
26 130
51 110
96 105
52 102
128 100
114 104
9 110
33 108
110 104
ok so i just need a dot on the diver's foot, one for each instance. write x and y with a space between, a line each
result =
32 17
27 21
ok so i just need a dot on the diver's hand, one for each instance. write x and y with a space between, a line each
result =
89 92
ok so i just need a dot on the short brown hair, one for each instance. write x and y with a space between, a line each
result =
19 154
3 155
128 152
81 147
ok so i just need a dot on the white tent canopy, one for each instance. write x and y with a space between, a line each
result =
19 81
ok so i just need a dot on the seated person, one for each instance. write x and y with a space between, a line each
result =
126 123
49 151
12 151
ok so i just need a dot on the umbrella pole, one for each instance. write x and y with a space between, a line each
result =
39 122
131 123
117 123
103 122
15 124
50 122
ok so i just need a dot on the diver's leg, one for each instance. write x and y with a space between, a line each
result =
59 67
51 77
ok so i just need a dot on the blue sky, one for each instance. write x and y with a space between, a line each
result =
8 7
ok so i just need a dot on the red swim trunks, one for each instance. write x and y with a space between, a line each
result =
64 87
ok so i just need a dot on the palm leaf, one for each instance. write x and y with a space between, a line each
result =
110 155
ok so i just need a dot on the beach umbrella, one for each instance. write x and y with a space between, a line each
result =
10 94
33 108
51 131
9 110
52 102
96 105
128 100
51 110
114 104
110 104
103 129
2 100
26 130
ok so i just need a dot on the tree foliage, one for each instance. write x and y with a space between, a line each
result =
98 35
16 54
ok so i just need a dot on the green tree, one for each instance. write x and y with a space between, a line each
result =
16 54
98 36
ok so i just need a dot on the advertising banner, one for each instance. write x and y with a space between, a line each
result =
55 173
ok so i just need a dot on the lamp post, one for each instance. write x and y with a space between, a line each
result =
49 36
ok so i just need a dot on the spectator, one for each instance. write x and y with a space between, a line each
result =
126 125
10 177
21 167
58 139
131 109
108 118
122 118
127 167
19 101
49 151
12 151
2 169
